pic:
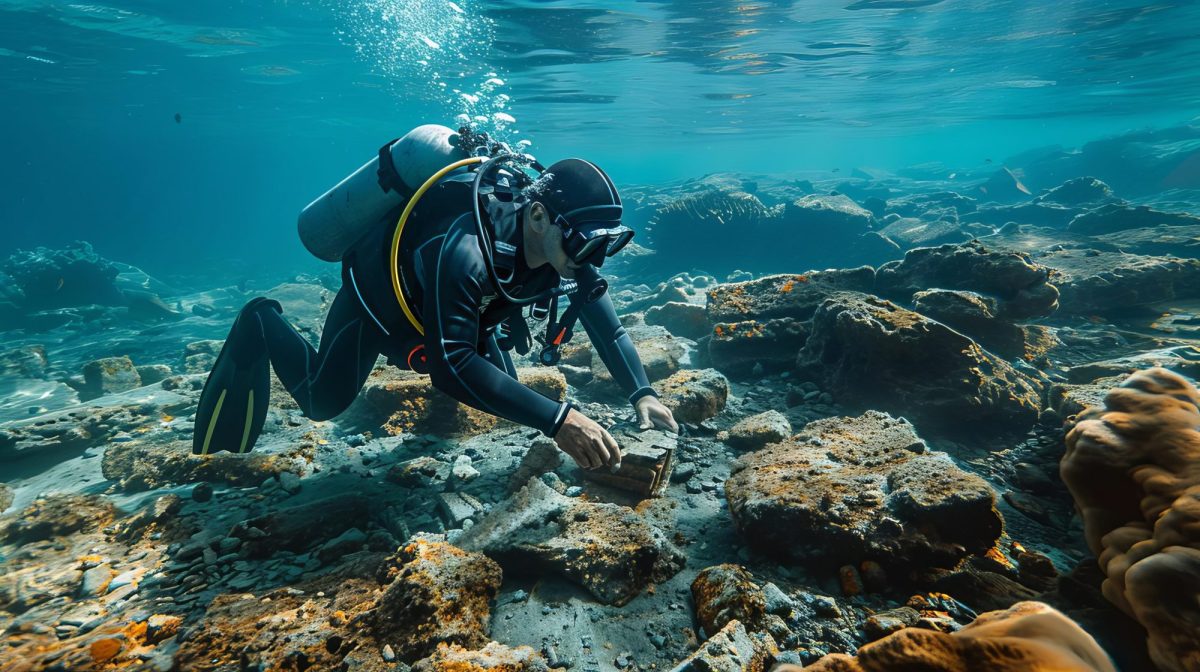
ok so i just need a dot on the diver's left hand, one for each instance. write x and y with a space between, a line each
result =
652 413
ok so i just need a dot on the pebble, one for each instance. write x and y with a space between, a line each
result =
658 641
520 596
289 482
693 487
202 492
388 654
574 491
624 660
122 579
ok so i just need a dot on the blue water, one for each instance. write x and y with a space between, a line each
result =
279 100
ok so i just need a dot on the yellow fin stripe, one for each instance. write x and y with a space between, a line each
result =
249 421
212 423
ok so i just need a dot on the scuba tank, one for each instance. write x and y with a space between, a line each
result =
331 224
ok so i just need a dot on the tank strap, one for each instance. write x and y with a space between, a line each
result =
389 177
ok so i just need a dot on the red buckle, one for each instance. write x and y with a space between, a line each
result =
422 360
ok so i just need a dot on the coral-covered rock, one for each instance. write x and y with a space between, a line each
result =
436 594
57 516
1020 286
788 295
1098 282
139 466
733 649
609 549
758 430
754 347
495 657
404 401
694 395
6 497
761 322
873 353
844 490
1029 637
1133 467
726 593
974 315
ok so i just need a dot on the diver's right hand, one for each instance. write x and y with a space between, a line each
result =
589 444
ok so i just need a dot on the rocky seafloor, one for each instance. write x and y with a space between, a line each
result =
969 439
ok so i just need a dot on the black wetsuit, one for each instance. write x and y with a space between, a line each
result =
449 289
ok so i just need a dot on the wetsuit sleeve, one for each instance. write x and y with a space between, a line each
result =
615 347
455 287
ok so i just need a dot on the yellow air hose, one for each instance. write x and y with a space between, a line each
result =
395 256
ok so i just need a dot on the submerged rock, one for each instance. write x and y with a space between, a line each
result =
495 657
1020 286
844 490
1029 637
58 516
694 395
756 431
610 550
1122 216
146 466
1078 191
404 401
1097 282
872 353
732 649
437 595
109 376
763 322
976 316
688 320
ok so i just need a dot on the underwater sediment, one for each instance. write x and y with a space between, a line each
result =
887 460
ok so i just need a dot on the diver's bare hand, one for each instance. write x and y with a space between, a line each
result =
589 444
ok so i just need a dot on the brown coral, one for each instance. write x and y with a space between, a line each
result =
1028 637
1133 467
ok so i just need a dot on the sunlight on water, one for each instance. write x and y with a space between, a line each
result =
435 50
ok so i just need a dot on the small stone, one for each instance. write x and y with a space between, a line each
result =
850 581
202 492
388 654
574 491
289 482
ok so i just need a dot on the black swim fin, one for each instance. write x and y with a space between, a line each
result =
233 405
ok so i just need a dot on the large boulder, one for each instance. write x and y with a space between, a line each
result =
688 320
1029 637
138 466
58 515
762 322
845 490
404 401
610 550
1115 217
436 594
873 353
1095 281
975 315
1133 467
1019 284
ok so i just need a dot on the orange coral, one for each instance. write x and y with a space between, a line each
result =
1133 467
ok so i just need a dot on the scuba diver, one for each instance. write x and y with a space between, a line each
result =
447 242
